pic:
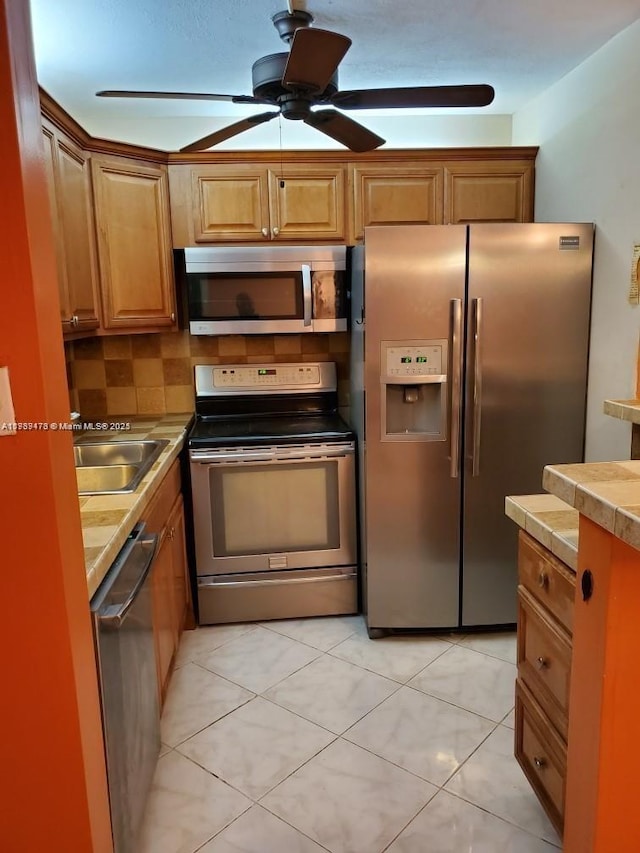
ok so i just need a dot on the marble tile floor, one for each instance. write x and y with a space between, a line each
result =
304 736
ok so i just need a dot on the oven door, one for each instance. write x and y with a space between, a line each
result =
273 508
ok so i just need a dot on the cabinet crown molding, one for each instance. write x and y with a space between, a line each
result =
65 122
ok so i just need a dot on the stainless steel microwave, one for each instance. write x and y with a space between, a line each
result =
256 290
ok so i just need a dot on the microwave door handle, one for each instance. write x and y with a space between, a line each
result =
306 294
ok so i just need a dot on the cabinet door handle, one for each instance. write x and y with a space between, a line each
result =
275 230
542 662
539 762
543 580
265 232
173 317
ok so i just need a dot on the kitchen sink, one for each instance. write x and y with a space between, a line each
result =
98 479
112 467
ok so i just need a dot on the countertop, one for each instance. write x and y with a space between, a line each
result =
107 520
625 410
608 493
551 521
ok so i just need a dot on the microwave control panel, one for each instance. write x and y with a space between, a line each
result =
414 361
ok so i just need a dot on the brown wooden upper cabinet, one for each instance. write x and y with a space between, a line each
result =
70 194
256 201
489 191
223 204
134 243
395 194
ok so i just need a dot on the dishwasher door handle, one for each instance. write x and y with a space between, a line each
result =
114 615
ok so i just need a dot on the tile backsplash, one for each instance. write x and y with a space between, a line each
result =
153 374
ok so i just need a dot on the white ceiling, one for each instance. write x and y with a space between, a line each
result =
520 47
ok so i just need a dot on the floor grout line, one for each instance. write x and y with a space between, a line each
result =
343 736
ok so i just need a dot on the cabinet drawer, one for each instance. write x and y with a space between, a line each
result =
547 579
541 754
544 659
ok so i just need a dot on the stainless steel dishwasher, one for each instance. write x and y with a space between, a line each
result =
122 618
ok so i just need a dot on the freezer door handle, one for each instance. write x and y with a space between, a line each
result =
456 374
477 387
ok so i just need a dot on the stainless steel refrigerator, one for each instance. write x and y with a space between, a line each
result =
469 372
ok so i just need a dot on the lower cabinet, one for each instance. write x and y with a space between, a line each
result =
545 621
170 576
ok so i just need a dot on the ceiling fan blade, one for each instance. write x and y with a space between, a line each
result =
415 96
344 129
227 132
181 96
313 59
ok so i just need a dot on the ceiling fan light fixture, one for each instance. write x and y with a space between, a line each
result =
295 107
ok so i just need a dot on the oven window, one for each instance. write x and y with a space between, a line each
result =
267 296
271 509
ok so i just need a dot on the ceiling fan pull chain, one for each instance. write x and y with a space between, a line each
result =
281 163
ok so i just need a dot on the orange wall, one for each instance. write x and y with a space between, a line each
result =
52 782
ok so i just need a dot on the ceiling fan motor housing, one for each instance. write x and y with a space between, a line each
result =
266 74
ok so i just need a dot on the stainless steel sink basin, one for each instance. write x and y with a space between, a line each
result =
98 479
112 467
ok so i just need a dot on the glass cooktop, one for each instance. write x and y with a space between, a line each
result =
257 430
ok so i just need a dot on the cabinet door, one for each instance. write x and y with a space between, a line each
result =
230 204
410 194
164 623
488 192
134 244
307 203
78 233
181 587
51 167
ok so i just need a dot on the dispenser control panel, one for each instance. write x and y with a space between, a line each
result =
414 362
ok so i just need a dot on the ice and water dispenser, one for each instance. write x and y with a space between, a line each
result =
413 375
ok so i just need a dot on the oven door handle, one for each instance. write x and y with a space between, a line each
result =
279 454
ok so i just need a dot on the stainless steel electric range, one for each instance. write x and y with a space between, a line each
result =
273 485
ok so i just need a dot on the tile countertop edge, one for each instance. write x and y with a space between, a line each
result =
129 507
624 410
607 493
550 521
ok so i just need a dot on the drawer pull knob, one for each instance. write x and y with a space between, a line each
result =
543 580
539 762
586 583
543 663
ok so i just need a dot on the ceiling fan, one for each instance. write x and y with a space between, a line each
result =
307 76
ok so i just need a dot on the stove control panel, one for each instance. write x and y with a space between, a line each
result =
261 376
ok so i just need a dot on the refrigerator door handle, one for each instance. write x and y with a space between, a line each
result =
477 386
456 376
